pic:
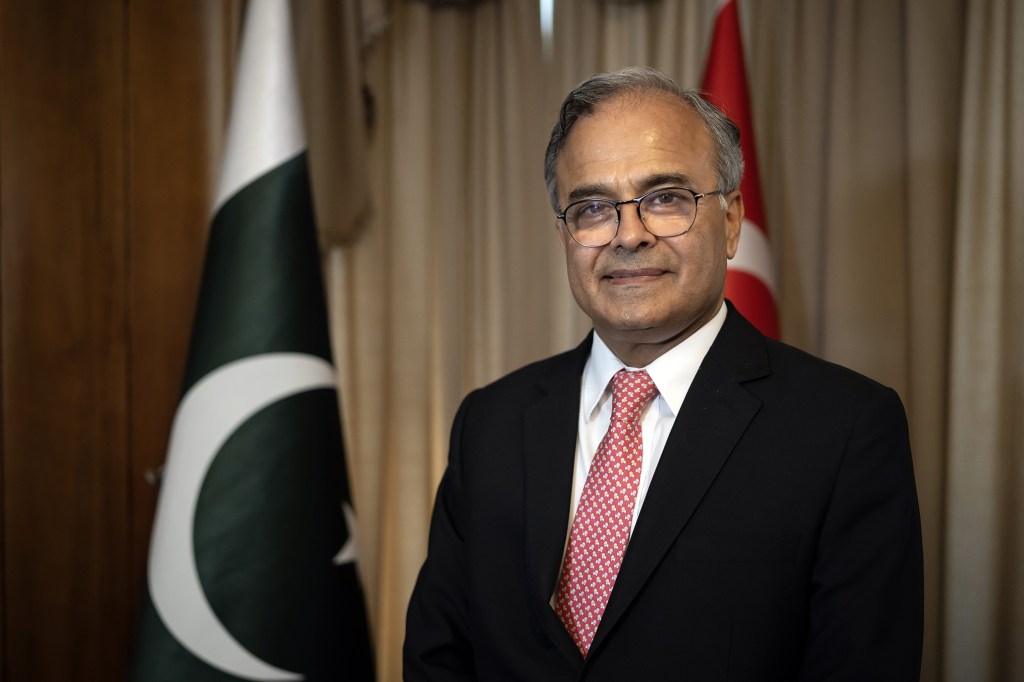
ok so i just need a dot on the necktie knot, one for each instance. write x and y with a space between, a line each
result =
631 393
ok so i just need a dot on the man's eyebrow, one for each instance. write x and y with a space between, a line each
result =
666 179
592 191
602 191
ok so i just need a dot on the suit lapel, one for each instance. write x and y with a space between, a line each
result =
549 442
716 412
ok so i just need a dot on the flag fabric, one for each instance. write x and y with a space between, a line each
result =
252 570
750 281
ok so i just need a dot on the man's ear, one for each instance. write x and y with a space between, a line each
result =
733 223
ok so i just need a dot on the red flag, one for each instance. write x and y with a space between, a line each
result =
750 282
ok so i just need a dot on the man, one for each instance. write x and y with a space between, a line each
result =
750 513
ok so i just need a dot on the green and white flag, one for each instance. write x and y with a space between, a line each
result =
252 570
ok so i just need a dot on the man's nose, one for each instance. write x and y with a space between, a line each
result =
632 232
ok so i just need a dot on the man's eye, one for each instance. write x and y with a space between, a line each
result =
594 208
665 198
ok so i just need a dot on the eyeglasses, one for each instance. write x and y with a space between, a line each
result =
664 212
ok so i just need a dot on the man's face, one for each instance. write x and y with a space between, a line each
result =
641 289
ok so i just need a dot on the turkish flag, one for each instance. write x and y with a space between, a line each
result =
750 282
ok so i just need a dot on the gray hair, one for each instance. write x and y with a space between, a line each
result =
636 80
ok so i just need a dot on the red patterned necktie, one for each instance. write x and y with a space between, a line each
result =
600 530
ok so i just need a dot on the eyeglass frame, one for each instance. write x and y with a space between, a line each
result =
618 214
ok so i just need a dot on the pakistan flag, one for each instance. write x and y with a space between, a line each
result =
252 571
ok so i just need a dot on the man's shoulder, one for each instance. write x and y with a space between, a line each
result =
754 359
539 377
498 407
805 377
791 358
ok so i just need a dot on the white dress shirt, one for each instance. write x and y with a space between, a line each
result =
671 372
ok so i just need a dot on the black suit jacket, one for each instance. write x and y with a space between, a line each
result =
780 538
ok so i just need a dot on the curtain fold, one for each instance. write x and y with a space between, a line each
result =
932 74
446 289
984 595
329 37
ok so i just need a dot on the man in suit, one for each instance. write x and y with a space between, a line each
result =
750 511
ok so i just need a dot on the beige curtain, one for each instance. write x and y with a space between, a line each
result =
983 603
447 287
891 138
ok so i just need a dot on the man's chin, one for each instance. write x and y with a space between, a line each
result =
638 330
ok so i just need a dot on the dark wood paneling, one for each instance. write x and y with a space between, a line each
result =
176 62
111 113
65 362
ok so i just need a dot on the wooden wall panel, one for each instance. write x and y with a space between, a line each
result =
111 114
179 103
65 363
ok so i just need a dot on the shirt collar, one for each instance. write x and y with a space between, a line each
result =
672 372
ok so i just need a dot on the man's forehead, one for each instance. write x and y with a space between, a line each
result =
628 103
640 183
635 138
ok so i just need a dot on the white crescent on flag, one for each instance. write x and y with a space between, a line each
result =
209 413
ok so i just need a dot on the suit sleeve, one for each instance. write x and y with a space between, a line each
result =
437 645
866 608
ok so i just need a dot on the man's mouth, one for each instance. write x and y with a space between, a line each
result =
637 276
